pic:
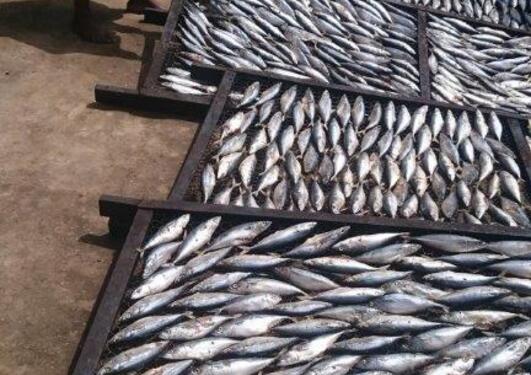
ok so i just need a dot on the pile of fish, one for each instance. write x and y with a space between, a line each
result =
479 66
258 297
366 44
179 79
286 148
509 13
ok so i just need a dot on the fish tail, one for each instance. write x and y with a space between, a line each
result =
141 250
245 249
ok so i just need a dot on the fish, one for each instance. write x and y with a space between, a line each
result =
520 249
253 285
239 235
252 303
306 280
197 238
173 368
451 243
438 339
144 327
318 243
311 327
300 308
400 303
459 366
159 256
243 366
481 319
308 350
338 265
503 358
247 326
171 231
452 279
252 262
388 254
363 243
256 346
391 324
152 303
193 329
334 365
201 349
133 358
474 295
397 363
204 300
159 281
345 295
366 344
519 268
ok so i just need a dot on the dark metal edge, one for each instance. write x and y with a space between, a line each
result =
152 78
132 99
171 21
348 89
202 137
367 221
155 16
108 303
522 147
424 69
147 61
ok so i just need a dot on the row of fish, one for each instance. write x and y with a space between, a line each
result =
286 148
510 13
219 298
366 44
479 66
180 80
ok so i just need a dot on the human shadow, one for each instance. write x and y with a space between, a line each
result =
46 25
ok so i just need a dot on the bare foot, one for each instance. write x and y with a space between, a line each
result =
92 31
138 6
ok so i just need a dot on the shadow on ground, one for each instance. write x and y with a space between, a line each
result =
46 24
106 241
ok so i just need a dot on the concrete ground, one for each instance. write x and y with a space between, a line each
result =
58 152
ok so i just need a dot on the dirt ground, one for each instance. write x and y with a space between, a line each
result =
58 152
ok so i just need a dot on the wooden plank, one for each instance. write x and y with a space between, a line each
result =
202 137
424 68
101 322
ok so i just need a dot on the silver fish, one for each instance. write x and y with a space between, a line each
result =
201 349
169 232
244 366
197 238
308 350
133 358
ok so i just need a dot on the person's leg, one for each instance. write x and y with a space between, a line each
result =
138 6
87 27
